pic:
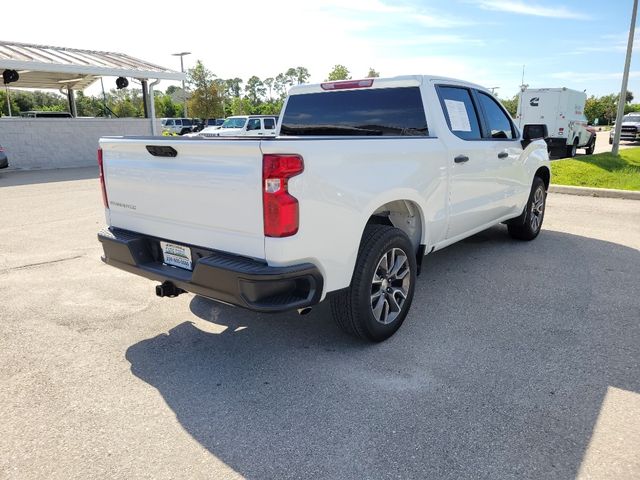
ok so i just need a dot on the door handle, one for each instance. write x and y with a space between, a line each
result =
461 159
503 155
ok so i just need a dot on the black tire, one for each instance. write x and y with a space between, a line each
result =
353 308
572 149
592 146
610 140
184 130
534 213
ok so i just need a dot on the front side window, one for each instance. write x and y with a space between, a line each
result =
169 123
460 112
358 112
499 125
234 123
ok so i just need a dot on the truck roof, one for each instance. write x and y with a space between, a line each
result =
385 82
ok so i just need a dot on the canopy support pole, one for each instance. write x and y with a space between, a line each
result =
145 97
72 102
152 105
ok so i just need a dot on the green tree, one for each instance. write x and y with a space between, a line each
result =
339 72
171 89
511 105
89 106
268 82
240 106
255 89
632 107
206 99
372 73
4 109
302 75
233 87
280 85
629 97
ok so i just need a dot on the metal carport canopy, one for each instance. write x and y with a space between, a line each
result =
41 66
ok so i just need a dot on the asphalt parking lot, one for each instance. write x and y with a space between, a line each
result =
518 360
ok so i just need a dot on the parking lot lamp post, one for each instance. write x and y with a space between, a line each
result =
625 80
184 92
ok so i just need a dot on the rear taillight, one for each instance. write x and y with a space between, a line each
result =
102 185
280 208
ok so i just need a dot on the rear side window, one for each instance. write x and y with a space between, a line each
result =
499 125
269 123
379 111
460 113
254 124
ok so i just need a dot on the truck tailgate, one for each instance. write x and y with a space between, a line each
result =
208 195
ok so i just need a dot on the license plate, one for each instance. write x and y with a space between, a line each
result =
176 255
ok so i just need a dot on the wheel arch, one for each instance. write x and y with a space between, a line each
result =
545 174
407 215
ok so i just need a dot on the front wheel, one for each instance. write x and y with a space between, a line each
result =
381 291
534 213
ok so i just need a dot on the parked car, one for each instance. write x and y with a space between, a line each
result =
4 161
45 114
244 125
629 130
344 203
177 125
562 111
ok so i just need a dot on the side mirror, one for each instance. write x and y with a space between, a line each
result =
533 132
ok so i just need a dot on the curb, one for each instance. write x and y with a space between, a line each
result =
595 192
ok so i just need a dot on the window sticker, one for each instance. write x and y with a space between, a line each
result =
458 116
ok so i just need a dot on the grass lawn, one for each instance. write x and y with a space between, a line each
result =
600 171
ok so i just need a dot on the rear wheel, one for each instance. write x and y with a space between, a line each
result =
572 149
381 291
534 213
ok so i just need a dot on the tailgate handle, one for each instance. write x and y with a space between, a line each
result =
162 151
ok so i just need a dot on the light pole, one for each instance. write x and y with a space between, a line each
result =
625 80
184 92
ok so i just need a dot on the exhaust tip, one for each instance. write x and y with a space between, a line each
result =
304 311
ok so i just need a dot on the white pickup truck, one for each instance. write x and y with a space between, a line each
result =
364 178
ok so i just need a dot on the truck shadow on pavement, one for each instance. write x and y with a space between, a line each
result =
499 371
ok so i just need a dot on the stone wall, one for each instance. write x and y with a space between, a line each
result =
62 142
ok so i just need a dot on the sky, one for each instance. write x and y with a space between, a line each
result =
578 44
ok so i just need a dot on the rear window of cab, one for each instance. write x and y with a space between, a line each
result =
366 112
